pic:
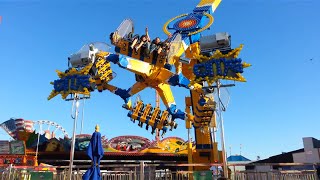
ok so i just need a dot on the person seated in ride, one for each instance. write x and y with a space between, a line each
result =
166 47
115 38
143 41
133 39
157 45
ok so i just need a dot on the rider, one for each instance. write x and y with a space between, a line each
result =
115 38
143 41
156 45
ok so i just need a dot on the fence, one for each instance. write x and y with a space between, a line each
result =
28 173
310 175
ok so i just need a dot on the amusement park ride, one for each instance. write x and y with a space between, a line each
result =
199 63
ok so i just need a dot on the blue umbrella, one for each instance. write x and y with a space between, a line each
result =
95 152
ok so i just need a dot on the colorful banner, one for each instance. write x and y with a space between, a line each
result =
82 142
173 144
4 147
129 143
17 147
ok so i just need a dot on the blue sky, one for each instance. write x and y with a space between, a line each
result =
267 115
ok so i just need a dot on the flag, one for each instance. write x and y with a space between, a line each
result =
12 126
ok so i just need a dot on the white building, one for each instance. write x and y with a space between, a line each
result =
311 153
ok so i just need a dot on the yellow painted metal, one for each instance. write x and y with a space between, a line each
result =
154 116
190 117
162 75
188 101
149 58
213 3
137 110
137 87
109 87
146 112
161 60
104 70
164 117
138 67
213 122
190 158
215 152
136 54
99 83
202 130
193 50
165 93
124 46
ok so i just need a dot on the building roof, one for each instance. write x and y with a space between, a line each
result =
237 158
316 143
280 158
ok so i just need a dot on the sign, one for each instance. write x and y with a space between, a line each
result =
82 142
202 175
72 82
221 68
129 143
4 147
173 144
41 175
17 147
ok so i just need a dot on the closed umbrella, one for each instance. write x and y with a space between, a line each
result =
95 152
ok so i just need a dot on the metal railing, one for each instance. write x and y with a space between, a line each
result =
311 175
27 173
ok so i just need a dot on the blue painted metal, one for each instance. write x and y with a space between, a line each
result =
117 49
168 66
203 146
202 101
72 82
123 61
206 69
124 94
179 80
176 113
202 9
114 58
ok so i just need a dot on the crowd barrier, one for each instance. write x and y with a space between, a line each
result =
61 173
